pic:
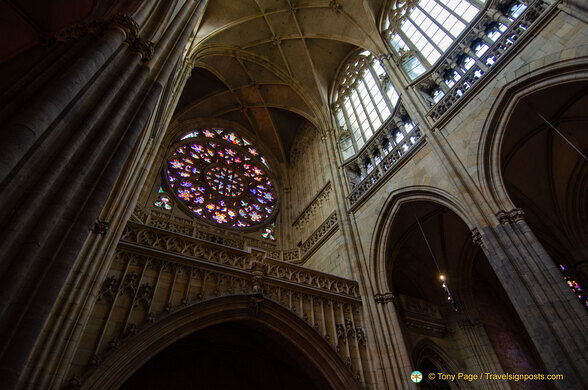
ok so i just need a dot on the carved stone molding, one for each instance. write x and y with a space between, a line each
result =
334 4
100 227
147 238
150 281
128 25
320 234
477 237
144 47
76 31
512 216
385 297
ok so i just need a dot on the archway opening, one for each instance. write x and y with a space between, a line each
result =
234 355
547 178
482 328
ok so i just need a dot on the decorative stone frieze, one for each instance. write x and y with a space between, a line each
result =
166 221
157 273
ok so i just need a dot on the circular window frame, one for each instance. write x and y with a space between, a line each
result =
203 182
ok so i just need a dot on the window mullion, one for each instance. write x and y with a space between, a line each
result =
363 106
428 38
357 118
453 12
385 95
348 122
441 27
412 46
372 96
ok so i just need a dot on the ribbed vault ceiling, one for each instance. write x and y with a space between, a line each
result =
269 64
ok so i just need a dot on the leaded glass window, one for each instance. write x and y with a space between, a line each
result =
363 102
422 31
221 178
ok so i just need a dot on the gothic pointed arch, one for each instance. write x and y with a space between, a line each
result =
319 356
389 213
532 160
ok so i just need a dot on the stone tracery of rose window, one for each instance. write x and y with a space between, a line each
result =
221 178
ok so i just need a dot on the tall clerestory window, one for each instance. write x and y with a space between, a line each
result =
363 101
421 31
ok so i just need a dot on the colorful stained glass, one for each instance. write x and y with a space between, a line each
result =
222 178
269 233
163 201
574 286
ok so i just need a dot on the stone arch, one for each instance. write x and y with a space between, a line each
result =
388 214
553 196
123 362
400 253
494 129
428 349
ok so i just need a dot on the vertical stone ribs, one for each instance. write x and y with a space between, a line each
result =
157 273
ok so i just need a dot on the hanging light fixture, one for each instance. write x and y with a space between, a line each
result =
442 276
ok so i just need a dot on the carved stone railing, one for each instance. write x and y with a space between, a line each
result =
313 207
493 56
391 156
156 273
172 223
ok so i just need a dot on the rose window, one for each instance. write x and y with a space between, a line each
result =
221 178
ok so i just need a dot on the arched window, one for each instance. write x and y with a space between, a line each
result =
421 31
221 178
363 101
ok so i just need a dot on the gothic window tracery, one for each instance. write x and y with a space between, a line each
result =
364 100
422 31
221 178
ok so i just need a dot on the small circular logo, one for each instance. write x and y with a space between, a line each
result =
416 376
431 375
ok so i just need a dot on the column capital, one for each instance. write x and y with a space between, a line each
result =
513 216
385 297
127 24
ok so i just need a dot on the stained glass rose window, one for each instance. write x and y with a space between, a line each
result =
221 178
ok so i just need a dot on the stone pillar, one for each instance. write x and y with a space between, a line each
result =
479 354
390 333
552 316
66 142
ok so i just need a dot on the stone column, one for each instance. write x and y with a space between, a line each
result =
552 316
64 150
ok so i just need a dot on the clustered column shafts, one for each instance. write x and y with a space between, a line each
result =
65 148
